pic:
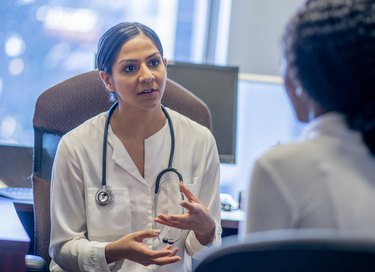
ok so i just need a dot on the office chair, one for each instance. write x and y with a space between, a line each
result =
291 251
63 107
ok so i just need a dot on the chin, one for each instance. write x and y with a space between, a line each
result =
152 106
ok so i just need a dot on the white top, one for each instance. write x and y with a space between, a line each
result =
327 180
80 228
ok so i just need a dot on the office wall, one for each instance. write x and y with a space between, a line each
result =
255 32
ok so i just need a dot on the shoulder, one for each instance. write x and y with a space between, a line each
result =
184 124
292 155
85 134
293 167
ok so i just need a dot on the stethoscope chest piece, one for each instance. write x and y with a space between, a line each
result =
104 196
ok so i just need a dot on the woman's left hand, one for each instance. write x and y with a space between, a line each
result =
197 218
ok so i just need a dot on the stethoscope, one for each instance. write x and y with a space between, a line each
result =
104 196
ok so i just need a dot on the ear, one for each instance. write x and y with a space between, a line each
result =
299 91
107 80
298 100
306 107
165 62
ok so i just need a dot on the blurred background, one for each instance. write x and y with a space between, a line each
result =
43 42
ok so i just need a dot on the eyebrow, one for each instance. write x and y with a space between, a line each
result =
136 60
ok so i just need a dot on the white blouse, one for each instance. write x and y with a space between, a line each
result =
326 181
80 228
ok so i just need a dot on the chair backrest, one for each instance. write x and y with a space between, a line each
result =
291 252
66 105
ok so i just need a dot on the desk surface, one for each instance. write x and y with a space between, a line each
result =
14 241
231 220
228 219
11 228
23 205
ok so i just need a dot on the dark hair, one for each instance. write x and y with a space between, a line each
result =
330 48
113 39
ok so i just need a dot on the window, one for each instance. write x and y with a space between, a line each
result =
264 119
46 41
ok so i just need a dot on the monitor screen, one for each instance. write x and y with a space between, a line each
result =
217 87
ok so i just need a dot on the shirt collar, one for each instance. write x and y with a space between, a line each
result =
331 123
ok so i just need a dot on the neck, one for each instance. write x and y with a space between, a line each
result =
315 110
137 123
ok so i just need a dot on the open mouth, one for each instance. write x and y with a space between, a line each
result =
148 91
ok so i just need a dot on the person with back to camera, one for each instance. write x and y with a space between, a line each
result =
132 221
327 179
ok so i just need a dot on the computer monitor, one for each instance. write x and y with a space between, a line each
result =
217 87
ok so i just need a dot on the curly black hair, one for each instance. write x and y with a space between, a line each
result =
330 48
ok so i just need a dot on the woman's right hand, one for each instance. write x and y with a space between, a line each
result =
131 247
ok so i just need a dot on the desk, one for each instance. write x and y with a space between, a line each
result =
229 220
14 241
23 205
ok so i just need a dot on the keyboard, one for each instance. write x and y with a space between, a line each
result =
17 193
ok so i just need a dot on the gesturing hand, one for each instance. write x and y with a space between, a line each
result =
131 247
197 218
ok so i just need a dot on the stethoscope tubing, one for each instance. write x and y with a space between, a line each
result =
104 196
105 141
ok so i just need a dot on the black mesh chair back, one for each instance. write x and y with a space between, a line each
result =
290 252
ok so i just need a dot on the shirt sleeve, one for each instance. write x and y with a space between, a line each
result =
69 247
268 205
209 194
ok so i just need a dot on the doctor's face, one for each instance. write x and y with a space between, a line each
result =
138 74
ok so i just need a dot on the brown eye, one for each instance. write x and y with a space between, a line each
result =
154 62
130 68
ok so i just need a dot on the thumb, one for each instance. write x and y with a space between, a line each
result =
189 195
140 235
187 205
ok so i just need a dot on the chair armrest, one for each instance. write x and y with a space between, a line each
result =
35 264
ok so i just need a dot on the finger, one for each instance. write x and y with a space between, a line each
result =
171 258
141 235
174 251
168 247
180 223
171 218
155 254
167 260
189 195
165 222
191 207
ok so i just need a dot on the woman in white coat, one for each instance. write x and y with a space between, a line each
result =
325 180
122 224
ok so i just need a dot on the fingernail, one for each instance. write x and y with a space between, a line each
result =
157 232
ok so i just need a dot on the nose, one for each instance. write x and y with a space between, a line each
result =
145 74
